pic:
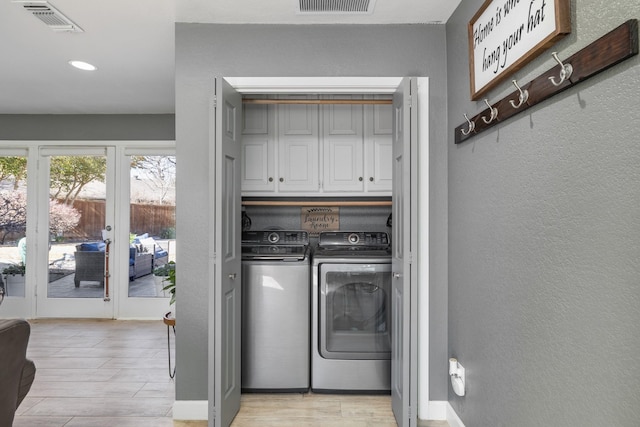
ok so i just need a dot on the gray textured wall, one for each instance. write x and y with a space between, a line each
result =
544 241
99 127
204 51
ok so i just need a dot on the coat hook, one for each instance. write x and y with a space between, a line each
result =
522 98
472 126
565 71
493 111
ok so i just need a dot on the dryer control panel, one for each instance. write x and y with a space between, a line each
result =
351 239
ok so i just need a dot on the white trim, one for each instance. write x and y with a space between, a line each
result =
423 248
437 410
452 418
191 410
265 85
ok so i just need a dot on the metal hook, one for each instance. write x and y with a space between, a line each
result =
472 126
522 98
494 113
565 71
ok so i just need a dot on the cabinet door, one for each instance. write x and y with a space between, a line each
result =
258 148
298 147
378 148
342 145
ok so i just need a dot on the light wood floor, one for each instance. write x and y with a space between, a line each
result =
112 373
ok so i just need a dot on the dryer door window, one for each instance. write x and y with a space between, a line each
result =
355 311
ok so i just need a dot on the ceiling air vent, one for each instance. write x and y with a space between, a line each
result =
336 6
51 16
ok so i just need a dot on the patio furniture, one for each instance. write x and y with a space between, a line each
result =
89 263
16 371
144 255
140 263
148 244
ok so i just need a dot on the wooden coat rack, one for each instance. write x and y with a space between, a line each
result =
610 49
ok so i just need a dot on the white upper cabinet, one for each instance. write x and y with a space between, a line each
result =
342 143
298 144
258 148
310 150
378 153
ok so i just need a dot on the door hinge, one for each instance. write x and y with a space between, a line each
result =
215 101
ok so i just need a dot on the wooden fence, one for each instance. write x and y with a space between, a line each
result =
157 220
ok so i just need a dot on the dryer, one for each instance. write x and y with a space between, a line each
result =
351 313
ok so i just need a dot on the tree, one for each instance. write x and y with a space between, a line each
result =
13 167
13 215
158 173
69 175
62 218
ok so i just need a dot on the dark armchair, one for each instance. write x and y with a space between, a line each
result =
16 371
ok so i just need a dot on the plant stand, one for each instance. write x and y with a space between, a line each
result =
170 321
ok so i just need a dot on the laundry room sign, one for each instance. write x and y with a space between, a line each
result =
319 218
504 35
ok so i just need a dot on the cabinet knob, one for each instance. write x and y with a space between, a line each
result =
360 179
270 179
371 178
281 179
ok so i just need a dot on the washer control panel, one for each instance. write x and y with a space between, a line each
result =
275 237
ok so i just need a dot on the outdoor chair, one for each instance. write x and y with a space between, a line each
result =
89 263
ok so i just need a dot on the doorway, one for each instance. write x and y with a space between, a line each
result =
317 85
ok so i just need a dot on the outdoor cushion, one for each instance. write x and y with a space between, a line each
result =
92 247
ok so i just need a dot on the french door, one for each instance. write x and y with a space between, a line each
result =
85 227
75 262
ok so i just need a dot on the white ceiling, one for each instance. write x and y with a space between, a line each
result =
132 44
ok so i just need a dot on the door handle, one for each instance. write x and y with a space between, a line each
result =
397 275
232 276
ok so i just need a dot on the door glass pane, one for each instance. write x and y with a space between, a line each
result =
77 205
13 226
152 224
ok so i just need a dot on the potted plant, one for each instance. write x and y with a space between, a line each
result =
14 270
168 274
162 277
169 317
14 275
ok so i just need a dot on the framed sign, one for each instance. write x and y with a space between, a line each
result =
316 219
506 34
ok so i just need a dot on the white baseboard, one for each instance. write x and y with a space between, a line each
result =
452 418
191 410
437 410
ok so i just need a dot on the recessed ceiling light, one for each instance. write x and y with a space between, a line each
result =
83 65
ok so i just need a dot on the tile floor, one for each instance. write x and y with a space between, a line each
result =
112 373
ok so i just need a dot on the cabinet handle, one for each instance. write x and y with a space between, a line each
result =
232 276
270 179
397 275
371 178
360 179
281 179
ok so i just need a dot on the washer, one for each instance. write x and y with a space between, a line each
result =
351 313
275 311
